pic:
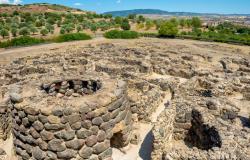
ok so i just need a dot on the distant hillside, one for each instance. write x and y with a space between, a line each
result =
36 7
161 12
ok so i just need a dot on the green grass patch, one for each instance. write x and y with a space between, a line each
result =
146 34
72 37
21 41
28 41
116 34
217 37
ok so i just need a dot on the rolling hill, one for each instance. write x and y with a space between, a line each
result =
162 12
37 7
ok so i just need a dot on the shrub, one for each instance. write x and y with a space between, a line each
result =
93 28
33 30
78 28
4 33
116 34
24 31
44 32
62 31
21 41
125 25
14 32
146 34
168 29
196 22
72 37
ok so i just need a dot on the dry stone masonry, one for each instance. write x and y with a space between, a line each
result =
87 102
50 123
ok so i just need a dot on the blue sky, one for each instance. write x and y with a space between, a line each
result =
203 6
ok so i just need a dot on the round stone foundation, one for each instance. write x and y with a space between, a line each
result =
51 123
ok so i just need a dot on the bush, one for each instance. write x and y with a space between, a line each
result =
44 32
196 22
14 32
4 33
62 31
125 25
146 34
21 41
116 34
24 31
168 29
72 37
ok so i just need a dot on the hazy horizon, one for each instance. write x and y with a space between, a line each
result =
197 6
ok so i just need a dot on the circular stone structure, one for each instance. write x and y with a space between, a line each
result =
69 117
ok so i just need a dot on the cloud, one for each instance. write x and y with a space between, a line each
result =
77 4
10 2
119 1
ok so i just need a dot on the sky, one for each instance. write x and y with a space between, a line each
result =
201 6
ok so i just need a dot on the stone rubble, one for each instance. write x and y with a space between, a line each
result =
85 101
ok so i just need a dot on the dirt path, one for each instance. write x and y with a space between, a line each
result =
7 55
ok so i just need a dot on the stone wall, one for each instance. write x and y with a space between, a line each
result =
5 120
162 132
83 127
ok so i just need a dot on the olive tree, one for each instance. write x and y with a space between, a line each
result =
168 29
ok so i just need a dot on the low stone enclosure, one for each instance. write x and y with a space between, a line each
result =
200 126
62 98
68 117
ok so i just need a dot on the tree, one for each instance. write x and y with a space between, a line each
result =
14 32
182 23
44 31
49 27
78 28
33 30
174 21
118 20
62 31
196 22
4 33
197 32
38 23
189 23
125 25
24 31
15 13
149 24
132 16
59 23
168 29
141 19
139 26
93 28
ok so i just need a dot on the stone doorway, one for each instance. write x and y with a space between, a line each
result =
116 141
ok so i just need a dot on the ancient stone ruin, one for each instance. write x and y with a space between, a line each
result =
64 118
154 99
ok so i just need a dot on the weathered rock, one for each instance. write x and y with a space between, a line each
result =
38 153
83 133
66 135
38 126
67 154
75 144
90 141
56 145
85 152
101 147
47 136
